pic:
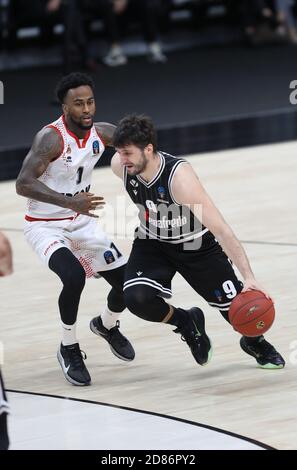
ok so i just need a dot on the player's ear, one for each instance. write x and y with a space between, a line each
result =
150 148
65 108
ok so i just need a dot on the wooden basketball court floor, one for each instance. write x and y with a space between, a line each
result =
255 188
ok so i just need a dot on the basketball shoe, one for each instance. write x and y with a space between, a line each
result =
193 332
118 344
71 359
265 354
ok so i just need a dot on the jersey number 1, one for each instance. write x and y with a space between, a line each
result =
79 174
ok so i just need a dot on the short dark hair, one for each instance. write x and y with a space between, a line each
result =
73 80
136 130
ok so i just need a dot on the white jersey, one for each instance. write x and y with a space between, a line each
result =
70 173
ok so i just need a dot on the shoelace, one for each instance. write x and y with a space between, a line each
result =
193 335
263 348
266 348
77 356
114 332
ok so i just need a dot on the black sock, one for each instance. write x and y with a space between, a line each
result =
253 340
178 318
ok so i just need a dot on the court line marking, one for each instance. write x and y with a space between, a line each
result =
151 413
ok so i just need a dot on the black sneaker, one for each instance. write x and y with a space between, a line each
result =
193 332
118 344
264 353
71 359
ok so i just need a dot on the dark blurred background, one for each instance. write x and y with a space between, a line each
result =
213 74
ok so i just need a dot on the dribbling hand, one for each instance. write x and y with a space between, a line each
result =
83 203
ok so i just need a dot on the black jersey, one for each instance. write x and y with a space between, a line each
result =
161 217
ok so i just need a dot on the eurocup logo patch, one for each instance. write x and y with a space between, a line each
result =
96 147
161 192
108 256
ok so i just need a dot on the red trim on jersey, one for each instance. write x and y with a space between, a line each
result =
62 143
104 143
35 219
85 140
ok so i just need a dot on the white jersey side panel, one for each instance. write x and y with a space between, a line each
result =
70 173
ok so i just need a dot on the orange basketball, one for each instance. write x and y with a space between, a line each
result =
251 313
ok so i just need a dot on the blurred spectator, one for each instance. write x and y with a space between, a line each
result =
260 22
75 41
286 19
42 13
117 16
46 14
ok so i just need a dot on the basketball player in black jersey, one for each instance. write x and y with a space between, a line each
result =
5 270
171 238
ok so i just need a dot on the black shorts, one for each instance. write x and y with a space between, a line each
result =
207 270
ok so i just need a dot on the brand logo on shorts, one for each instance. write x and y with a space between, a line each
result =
218 295
96 147
50 246
108 256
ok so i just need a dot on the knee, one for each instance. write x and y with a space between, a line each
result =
116 301
138 299
74 278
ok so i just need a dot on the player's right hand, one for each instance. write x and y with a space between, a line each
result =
252 284
83 203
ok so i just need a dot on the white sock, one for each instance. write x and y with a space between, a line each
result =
69 334
109 318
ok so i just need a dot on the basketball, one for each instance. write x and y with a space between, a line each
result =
251 313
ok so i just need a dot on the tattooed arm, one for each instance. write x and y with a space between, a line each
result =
47 146
105 131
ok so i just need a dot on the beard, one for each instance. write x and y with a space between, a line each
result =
138 167
80 125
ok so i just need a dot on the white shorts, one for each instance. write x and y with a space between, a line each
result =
82 236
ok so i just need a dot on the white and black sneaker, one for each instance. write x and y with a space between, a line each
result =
118 343
71 359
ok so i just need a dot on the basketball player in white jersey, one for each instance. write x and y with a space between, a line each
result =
175 236
5 270
60 224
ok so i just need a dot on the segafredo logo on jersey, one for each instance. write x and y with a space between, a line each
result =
1 93
167 223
